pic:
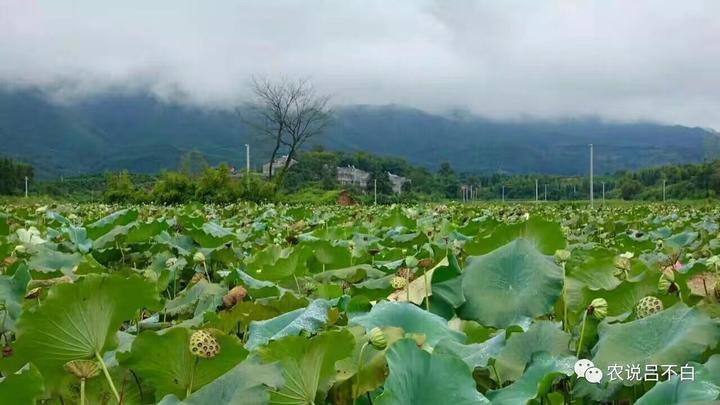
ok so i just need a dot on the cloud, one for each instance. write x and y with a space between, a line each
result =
618 60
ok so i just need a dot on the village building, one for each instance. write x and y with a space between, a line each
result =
277 165
397 182
352 176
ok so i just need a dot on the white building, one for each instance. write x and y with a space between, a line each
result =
352 176
277 165
397 182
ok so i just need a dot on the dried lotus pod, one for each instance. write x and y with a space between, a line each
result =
235 295
33 293
196 278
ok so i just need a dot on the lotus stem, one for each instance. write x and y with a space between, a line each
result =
192 378
82 391
107 377
582 334
360 364
427 291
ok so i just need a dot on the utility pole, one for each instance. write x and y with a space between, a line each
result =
537 193
545 191
503 193
664 182
591 176
26 186
247 165
471 192
375 190
603 192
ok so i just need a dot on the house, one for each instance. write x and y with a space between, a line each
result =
397 182
352 176
277 165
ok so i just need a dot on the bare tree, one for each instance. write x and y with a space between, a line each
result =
289 113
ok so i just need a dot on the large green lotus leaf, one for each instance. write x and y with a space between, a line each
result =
447 283
144 232
211 235
78 236
702 387
546 236
509 285
239 316
12 291
409 318
23 387
78 321
309 319
476 354
308 364
352 274
536 381
106 224
165 361
247 384
676 335
681 240
542 336
200 298
418 377
594 267
114 236
283 267
46 260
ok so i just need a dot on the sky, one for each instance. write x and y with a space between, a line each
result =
618 60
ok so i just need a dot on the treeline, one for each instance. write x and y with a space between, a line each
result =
12 176
313 179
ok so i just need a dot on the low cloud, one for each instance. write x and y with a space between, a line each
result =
618 60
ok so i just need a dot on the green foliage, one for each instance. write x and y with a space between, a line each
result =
12 176
299 304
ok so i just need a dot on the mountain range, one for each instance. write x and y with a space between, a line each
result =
143 134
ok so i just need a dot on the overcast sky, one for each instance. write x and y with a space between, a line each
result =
616 59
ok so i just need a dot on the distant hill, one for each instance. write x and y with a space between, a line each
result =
142 134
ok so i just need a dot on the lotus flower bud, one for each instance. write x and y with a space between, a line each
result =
411 261
648 306
598 308
203 345
562 256
378 339
398 282
199 257
82 369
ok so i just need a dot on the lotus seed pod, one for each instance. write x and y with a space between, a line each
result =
623 263
199 257
411 261
562 255
203 345
83 369
378 339
398 282
664 285
171 262
34 293
405 273
237 294
648 306
196 278
426 263
599 308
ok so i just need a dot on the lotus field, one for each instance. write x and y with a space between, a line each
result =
427 304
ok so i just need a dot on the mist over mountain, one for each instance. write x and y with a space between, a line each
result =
142 134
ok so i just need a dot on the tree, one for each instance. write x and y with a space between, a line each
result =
289 113
193 164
